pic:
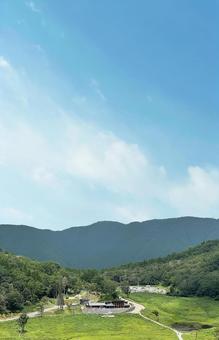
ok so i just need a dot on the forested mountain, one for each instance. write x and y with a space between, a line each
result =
25 282
107 244
192 272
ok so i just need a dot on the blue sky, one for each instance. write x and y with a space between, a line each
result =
108 110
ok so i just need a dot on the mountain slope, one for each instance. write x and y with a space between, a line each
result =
107 244
192 272
24 281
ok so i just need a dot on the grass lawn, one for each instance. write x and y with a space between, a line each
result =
201 335
182 310
83 327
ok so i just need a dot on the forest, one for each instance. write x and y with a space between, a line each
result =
194 272
25 282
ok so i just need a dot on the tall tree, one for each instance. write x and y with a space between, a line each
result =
60 300
64 284
22 321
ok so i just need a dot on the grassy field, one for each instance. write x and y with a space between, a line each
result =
66 327
28 309
182 310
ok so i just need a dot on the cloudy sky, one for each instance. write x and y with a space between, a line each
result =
109 110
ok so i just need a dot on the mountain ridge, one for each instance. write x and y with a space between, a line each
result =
112 221
108 243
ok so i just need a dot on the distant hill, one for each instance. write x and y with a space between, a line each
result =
192 272
107 244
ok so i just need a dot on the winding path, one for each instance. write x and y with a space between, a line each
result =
139 308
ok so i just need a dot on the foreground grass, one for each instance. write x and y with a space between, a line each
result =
182 310
84 327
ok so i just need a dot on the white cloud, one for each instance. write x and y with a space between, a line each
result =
62 146
22 146
131 213
198 193
32 6
14 215
104 159
44 176
81 151
4 64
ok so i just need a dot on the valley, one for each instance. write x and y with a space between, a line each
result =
50 295
173 312
175 297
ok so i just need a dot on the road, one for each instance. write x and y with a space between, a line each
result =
139 308
31 314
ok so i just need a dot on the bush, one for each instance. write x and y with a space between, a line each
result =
14 301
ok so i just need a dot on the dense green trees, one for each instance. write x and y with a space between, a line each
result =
192 272
23 281
14 300
97 282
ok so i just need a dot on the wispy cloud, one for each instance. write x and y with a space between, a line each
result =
32 6
197 193
77 151
96 87
45 176
4 64
14 215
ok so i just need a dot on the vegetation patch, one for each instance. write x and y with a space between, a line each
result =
194 272
26 284
189 327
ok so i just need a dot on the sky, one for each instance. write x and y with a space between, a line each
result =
109 110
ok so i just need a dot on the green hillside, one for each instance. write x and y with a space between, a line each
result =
194 272
24 282
107 244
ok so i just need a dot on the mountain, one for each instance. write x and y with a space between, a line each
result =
107 244
192 272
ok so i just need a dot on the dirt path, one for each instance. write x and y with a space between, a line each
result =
36 313
139 308
31 314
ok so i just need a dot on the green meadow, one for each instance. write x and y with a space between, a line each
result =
183 310
67 326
